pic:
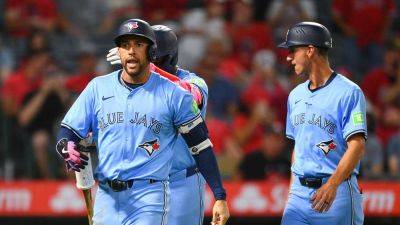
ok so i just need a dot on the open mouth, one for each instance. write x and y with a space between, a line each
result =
132 62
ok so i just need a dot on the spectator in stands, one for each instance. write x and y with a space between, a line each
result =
282 14
197 26
266 84
248 36
270 161
40 110
223 95
86 63
249 123
372 162
35 101
22 16
377 81
227 151
37 41
157 11
381 86
365 26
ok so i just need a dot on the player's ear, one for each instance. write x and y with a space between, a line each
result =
311 50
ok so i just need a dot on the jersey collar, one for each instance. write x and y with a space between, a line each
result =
333 75
129 88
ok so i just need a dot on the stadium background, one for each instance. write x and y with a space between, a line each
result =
50 49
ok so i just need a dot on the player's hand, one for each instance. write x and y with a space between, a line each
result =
73 158
113 56
324 197
220 213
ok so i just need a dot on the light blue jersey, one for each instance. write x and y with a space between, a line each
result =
182 158
136 130
321 121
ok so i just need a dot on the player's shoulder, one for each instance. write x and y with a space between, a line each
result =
191 77
299 90
345 83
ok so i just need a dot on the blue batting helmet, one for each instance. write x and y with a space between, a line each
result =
167 48
308 33
140 28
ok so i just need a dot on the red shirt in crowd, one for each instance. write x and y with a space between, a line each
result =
29 11
366 17
219 132
163 10
249 38
256 138
17 86
373 84
257 91
78 82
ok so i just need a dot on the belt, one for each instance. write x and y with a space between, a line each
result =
311 182
120 185
314 182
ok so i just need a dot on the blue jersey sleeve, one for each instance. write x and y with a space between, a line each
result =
354 114
79 117
184 107
289 125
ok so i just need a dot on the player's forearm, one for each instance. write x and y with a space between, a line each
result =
164 73
353 155
208 167
196 137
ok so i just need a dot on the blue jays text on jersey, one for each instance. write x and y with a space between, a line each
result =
320 122
135 139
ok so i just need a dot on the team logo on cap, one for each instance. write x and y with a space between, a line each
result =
326 146
132 25
150 146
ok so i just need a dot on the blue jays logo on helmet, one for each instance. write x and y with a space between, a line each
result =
326 146
131 26
150 146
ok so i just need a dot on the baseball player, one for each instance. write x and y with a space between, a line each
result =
326 119
186 184
135 116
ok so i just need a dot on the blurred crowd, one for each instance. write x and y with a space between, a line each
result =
50 50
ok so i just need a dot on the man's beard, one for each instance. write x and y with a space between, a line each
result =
139 70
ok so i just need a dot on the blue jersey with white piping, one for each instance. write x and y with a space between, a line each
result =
320 122
135 129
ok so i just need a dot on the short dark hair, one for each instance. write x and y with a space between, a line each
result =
323 51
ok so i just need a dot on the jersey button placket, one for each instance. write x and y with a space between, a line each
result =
128 128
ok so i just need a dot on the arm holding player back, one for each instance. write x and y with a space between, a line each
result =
188 86
324 196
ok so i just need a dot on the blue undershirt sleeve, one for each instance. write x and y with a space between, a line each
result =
68 134
208 167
